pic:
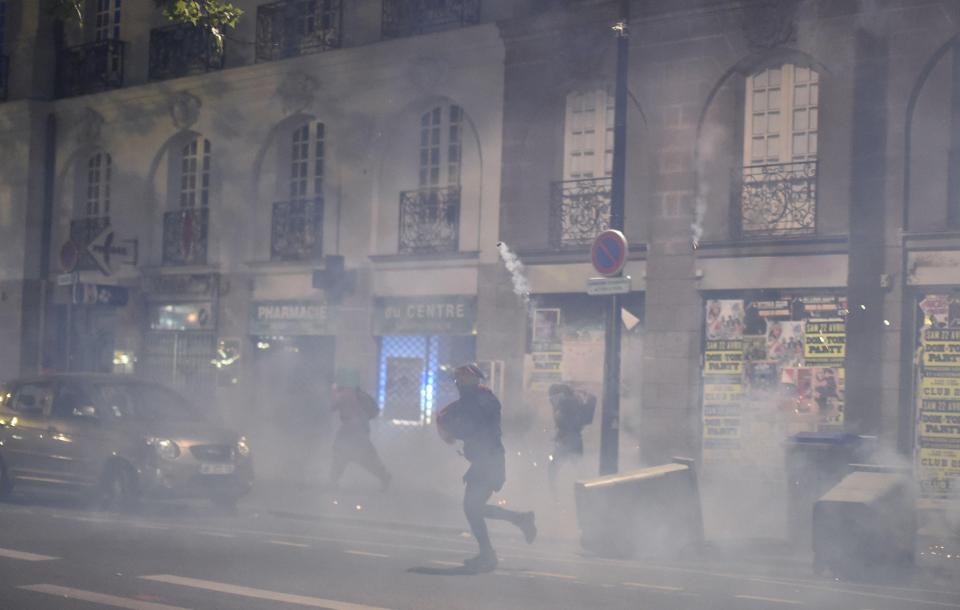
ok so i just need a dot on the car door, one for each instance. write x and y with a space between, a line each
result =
75 435
24 435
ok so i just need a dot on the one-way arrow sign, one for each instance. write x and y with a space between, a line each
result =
103 251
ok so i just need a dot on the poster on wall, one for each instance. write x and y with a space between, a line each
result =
937 452
772 367
725 319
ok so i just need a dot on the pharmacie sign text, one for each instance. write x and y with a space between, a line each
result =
289 317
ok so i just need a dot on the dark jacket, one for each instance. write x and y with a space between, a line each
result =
475 419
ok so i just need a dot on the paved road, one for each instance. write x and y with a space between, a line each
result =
54 556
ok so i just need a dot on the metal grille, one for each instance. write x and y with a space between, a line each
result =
297 230
297 27
90 68
580 209
408 17
414 383
778 199
181 360
179 50
430 220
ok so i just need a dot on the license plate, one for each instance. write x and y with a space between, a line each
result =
216 468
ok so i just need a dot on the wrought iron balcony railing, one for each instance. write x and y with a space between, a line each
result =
82 232
579 210
297 27
4 76
430 220
778 199
409 17
183 49
185 236
90 68
296 230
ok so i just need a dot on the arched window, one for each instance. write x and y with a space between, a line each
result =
441 135
430 214
107 20
588 138
781 115
580 202
780 146
185 225
297 224
195 173
97 202
306 161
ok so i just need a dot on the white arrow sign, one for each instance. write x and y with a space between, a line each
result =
104 252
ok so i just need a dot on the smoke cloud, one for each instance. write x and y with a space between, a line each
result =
521 285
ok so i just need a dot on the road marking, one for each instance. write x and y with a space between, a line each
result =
774 600
447 563
654 587
216 534
22 556
549 575
299 545
99 598
366 554
287 598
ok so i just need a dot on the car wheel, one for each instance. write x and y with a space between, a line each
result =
118 489
6 481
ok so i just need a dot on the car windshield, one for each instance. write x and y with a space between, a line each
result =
143 401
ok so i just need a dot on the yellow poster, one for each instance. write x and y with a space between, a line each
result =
723 357
825 341
941 348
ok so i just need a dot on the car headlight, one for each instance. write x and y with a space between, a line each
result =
165 448
243 448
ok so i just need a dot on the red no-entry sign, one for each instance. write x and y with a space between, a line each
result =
609 252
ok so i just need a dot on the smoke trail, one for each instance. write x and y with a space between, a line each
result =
521 285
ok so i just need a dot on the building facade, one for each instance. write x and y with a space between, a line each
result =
242 218
788 205
326 190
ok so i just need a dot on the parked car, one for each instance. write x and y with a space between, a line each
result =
116 439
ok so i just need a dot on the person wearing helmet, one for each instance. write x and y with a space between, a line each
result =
475 420
352 444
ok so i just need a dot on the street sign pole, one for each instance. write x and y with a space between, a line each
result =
610 410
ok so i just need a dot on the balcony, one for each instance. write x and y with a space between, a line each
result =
181 50
185 236
90 68
296 230
4 76
82 232
410 17
430 220
579 210
778 199
297 27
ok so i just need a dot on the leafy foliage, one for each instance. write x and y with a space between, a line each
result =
214 15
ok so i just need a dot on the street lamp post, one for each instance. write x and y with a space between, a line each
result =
610 413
